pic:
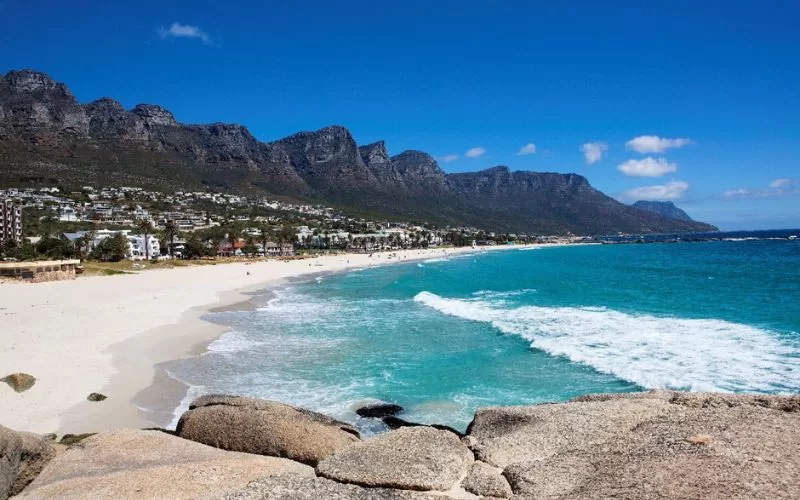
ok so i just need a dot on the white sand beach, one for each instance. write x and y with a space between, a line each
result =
107 334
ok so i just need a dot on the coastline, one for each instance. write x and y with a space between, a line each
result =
117 334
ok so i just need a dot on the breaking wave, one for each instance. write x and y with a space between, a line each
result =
651 351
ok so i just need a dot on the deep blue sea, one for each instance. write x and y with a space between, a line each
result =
443 337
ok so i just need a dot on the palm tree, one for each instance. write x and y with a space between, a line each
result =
233 237
171 232
85 243
264 238
146 228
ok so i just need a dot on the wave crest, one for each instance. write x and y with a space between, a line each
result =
654 352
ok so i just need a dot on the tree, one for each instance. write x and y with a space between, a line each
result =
194 248
49 222
171 231
114 248
84 244
250 249
265 236
146 228
233 237
55 248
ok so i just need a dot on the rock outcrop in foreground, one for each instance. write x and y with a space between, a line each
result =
265 428
628 446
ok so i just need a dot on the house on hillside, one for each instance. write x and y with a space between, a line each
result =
278 249
225 249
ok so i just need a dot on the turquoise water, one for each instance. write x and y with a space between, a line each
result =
443 337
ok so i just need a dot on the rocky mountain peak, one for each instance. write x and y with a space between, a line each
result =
419 171
28 80
374 154
105 104
665 208
417 163
153 114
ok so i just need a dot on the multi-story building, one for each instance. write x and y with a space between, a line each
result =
10 222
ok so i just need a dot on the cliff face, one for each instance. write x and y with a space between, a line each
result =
47 137
665 208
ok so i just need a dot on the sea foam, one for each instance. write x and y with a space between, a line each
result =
651 351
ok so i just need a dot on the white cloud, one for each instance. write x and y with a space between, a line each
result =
475 152
655 144
447 158
593 151
781 183
777 188
647 167
527 149
737 194
669 191
178 30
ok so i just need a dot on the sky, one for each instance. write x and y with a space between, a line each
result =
693 102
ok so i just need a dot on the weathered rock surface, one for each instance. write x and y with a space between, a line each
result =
20 382
294 488
264 428
412 458
34 455
379 410
10 455
96 397
487 481
152 464
647 445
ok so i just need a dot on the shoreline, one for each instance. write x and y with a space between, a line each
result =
117 335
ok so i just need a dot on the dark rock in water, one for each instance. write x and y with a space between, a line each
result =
96 396
10 455
379 410
35 454
70 439
264 428
395 423
417 458
20 382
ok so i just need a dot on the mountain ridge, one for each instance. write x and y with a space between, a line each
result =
665 208
47 135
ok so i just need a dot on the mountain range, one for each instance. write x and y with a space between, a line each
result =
48 138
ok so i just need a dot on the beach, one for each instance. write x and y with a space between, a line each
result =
108 334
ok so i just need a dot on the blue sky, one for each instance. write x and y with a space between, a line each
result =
711 89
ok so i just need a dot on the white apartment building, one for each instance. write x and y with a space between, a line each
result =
136 247
10 222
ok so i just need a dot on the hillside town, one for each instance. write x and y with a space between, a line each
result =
112 224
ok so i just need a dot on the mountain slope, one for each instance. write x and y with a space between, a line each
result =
48 137
665 208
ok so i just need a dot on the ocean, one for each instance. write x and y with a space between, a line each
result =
445 336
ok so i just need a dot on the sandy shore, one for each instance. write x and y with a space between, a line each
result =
108 334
